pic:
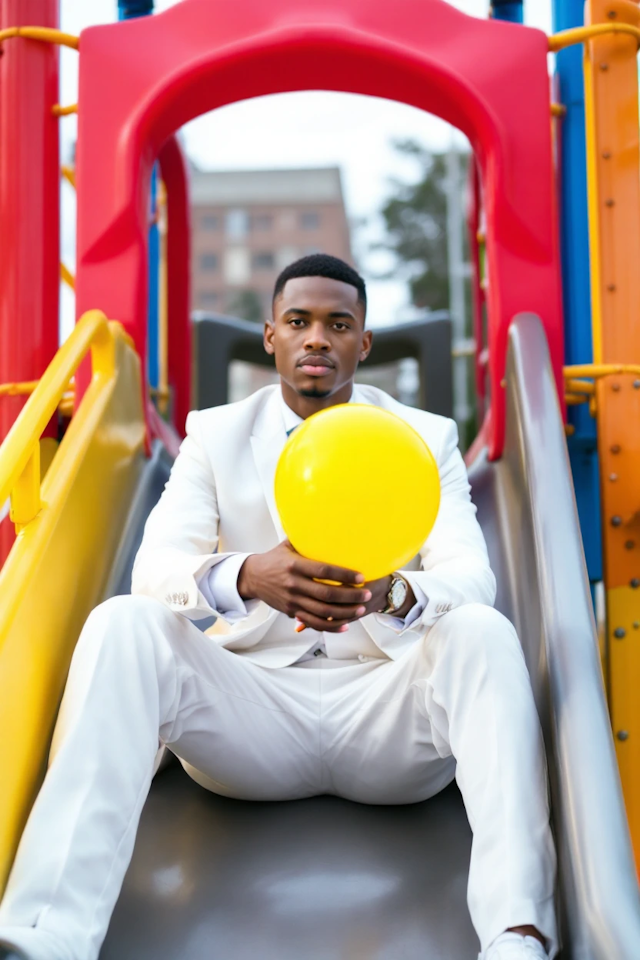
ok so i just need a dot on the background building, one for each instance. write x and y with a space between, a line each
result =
249 224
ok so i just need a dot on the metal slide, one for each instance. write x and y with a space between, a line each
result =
326 879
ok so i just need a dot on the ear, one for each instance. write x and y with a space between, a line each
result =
267 338
367 338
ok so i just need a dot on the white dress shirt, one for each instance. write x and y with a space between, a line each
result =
219 584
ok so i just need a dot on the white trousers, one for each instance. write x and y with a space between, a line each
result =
381 731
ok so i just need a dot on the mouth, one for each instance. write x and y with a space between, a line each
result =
316 366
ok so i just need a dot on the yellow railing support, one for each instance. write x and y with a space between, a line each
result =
18 389
46 34
595 371
59 111
566 38
67 276
17 457
69 175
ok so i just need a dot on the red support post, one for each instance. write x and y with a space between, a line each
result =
29 207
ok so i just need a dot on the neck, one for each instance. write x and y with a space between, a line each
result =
304 406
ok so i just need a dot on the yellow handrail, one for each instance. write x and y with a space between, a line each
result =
59 111
595 371
46 34
580 34
20 452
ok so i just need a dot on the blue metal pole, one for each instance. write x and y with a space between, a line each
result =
153 365
574 238
128 10
511 10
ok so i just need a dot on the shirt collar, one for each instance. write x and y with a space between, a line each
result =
292 420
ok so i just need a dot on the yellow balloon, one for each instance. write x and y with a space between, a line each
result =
356 486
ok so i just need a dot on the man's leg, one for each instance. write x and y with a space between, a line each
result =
142 673
463 693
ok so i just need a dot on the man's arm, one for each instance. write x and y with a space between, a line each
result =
455 564
181 534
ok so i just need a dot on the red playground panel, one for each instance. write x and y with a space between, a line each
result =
142 79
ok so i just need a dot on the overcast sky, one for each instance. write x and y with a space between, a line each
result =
354 133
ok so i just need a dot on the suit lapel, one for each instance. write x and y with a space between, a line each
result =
267 440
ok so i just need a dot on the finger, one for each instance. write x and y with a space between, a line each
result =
327 571
322 626
327 593
325 611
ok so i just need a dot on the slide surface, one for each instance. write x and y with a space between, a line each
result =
326 878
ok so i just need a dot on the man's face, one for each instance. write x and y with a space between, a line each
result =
318 338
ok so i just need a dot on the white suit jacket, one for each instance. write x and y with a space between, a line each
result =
219 500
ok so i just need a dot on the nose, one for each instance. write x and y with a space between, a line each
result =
316 340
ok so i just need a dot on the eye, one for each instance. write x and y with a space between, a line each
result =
296 322
341 325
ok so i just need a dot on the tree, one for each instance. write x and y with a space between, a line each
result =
415 217
247 305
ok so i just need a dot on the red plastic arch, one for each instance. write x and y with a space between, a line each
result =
142 79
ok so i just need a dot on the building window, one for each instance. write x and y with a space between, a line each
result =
207 300
285 256
262 222
210 222
237 266
309 221
237 224
208 262
263 261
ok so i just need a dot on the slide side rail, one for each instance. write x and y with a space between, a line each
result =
69 530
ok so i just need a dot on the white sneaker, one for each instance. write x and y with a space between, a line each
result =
513 946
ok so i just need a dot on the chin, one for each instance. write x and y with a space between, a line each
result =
315 391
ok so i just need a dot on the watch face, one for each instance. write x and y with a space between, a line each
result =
398 593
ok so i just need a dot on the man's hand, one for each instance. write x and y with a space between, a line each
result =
288 582
379 590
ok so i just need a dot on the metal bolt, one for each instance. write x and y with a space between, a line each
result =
636 384
612 14
616 521
606 155
622 734
611 288
609 202
604 66
615 386
634 583
630 544
615 448
636 624
619 633
613 476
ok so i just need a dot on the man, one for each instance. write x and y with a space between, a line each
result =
393 688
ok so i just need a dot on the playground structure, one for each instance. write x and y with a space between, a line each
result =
77 506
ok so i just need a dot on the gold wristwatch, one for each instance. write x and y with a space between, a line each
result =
397 594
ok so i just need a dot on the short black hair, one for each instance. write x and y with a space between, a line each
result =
322 265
